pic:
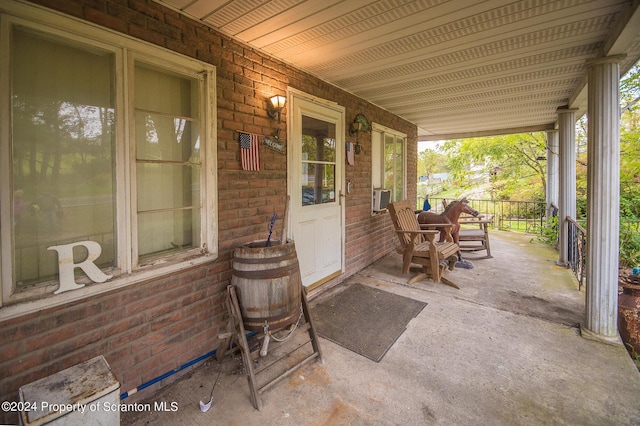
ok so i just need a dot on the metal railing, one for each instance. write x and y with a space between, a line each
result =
577 236
531 217
576 255
522 216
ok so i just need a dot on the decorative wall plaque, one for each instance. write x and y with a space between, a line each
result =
273 143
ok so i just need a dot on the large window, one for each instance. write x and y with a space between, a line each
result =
167 146
62 147
388 161
101 144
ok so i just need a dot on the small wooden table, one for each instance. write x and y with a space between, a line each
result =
474 234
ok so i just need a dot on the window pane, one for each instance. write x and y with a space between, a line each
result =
168 231
399 170
166 138
165 92
167 186
389 162
168 157
62 146
394 166
318 184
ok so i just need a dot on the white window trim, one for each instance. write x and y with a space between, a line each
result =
376 127
38 18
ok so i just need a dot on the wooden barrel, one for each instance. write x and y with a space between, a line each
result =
268 284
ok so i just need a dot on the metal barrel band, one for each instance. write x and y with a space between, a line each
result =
257 261
283 271
274 322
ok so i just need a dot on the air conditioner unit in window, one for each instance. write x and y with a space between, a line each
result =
381 198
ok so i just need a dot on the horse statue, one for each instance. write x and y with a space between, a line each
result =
451 214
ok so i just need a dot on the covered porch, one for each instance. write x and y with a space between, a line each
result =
504 349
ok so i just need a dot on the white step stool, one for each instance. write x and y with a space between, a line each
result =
85 394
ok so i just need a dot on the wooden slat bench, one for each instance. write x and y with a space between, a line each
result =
474 234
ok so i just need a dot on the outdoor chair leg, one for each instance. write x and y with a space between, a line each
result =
448 282
418 277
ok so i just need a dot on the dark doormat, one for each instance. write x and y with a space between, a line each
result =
364 319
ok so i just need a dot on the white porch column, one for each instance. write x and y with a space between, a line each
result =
552 171
603 198
567 178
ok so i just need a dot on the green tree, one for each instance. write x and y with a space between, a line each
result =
630 145
513 165
431 161
630 168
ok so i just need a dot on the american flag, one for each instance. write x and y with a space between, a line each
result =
249 151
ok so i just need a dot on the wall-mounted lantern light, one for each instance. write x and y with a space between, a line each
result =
360 124
276 103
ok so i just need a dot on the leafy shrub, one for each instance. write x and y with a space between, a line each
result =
629 246
549 234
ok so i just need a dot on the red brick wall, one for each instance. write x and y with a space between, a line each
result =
148 329
143 331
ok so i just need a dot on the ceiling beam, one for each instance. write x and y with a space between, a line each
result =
515 130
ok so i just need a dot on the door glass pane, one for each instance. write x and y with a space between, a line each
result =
318 161
167 161
318 185
318 140
63 153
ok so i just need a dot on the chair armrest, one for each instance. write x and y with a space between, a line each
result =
413 235
418 231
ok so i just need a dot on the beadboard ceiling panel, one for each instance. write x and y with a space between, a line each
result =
455 68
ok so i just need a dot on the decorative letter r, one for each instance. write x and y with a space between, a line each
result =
66 265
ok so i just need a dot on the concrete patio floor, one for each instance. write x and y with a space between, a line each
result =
505 349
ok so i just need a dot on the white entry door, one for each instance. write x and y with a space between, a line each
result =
316 163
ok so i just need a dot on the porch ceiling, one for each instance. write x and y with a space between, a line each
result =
455 68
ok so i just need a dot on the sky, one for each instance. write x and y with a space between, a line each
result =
429 145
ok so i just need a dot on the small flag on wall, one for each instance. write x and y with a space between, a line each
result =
351 158
249 151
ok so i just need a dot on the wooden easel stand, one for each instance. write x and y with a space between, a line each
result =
238 333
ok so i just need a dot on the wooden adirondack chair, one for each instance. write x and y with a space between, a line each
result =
420 246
